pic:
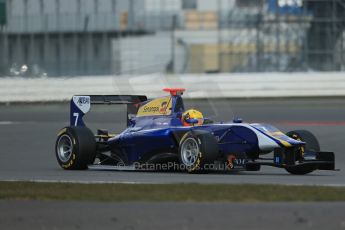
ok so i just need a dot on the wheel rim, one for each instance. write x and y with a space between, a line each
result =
64 148
189 151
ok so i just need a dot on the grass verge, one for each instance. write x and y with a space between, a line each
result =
168 192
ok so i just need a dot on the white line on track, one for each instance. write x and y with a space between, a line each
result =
136 182
77 182
7 122
17 122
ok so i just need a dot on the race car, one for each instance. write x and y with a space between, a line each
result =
162 135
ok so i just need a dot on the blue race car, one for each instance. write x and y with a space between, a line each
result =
162 135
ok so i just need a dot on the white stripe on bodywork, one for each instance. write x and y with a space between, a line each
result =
264 142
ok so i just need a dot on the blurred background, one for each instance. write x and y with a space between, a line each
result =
108 37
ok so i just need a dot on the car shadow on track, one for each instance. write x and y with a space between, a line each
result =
233 173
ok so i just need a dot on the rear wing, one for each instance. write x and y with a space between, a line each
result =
80 105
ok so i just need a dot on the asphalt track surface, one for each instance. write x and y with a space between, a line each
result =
127 216
28 133
27 139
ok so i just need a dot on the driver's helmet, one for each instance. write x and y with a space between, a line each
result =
192 114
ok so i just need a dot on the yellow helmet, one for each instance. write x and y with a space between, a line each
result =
192 114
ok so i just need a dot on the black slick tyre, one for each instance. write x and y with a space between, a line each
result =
312 144
75 148
197 151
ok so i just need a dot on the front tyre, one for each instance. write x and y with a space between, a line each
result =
197 151
75 148
312 144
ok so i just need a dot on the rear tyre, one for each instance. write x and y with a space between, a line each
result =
75 148
312 144
197 151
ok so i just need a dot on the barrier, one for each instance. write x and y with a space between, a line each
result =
246 85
